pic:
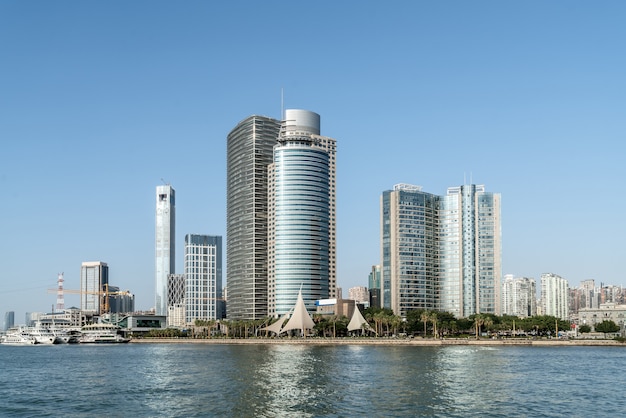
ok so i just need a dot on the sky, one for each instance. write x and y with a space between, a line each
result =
100 102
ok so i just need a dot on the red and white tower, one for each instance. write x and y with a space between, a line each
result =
60 299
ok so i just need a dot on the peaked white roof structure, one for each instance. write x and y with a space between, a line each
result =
357 321
277 326
300 319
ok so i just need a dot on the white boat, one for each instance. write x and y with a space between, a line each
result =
43 335
18 336
101 334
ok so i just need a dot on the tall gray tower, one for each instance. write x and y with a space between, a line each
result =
249 152
164 244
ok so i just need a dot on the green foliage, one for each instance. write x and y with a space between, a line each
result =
584 328
607 326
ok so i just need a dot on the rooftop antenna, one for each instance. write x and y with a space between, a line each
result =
164 182
282 104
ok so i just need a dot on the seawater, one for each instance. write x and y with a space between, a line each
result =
204 380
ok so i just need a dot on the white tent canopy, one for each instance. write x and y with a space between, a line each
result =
357 321
276 326
300 319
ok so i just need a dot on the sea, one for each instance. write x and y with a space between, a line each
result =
206 380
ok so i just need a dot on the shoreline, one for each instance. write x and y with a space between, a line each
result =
423 342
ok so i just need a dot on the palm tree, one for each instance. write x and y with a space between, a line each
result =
479 320
488 322
425 318
433 318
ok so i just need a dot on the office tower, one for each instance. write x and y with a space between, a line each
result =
519 296
470 251
164 244
409 249
554 296
94 277
373 280
9 320
249 152
441 252
302 227
203 276
176 300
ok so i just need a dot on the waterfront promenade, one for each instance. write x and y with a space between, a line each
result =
386 341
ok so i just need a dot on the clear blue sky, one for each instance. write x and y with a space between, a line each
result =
99 101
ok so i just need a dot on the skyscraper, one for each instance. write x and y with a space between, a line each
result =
441 252
164 244
94 277
554 296
519 296
302 226
249 152
203 276
9 320
409 249
470 251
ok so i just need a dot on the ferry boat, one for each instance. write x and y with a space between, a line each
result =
43 335
101 334
18 336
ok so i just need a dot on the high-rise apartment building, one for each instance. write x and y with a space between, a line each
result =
409 249
373 279
470 251
203 277
164 244
554 296
359 294
519 296
302 214
94 278
249 153
441 252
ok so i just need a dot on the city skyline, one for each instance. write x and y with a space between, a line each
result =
97 109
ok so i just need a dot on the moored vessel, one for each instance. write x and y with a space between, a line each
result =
101 334
18 336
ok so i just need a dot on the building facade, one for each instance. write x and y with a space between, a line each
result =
203 277
176 300
554 296
359 294
9 320
302 220
94 279
249 153
441 252
164 244
470 251
409 249
519 296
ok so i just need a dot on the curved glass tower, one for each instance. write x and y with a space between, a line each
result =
300 212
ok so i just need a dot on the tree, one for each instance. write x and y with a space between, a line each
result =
479 320
606 326
425 318
584 328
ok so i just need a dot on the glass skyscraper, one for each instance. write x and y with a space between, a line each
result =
302 214
441 252
249 153
164 244
94 277
410 249
203 277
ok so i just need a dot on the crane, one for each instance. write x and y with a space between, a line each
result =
104 295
